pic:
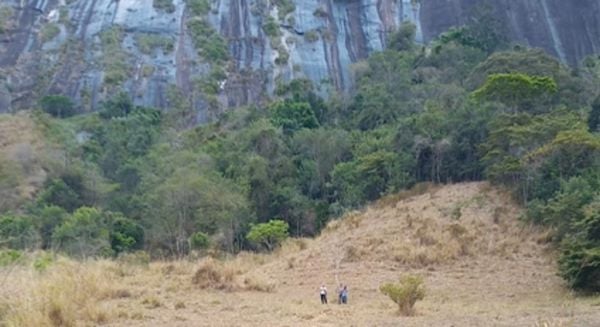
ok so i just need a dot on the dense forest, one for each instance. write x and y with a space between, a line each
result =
469 106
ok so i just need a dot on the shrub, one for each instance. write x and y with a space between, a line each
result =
199 7
271 28
118 106
58 106
579 265
18 232
406 293
269 234
293 116
148 42
199 241
125 235
210 44
84 233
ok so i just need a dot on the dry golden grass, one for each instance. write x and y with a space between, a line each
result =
481 268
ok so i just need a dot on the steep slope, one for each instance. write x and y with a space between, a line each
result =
86 49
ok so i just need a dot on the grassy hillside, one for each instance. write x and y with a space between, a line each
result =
480 264
25 159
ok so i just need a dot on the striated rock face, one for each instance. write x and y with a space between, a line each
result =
90 49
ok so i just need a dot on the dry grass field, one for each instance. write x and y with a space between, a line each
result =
480 265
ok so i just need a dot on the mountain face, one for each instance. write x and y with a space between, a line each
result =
214 54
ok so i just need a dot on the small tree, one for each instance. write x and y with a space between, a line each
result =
58 106
269 234
406 293
199 241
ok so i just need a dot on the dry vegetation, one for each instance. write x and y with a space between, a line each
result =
480 267
24 159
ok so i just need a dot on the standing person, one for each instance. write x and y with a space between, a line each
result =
344 295
339 292
323 292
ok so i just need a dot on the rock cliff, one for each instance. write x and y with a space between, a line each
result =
215 54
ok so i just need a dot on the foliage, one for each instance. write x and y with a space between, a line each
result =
579 264
404 38
68 192
483 31
199 7
292 116
199 241
84 233
147 43
17 232
518 91
125 234
284 7
406 293
209 43
118 106
58 106
270 234
271 27
115 59
594 116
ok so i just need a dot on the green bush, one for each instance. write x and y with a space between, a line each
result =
270 234
209 43
84 233
406 293
118 106
579 264
18 233
271 28
125 235
199 241
199 7
115 60
284 7
293 116
148 42
58 106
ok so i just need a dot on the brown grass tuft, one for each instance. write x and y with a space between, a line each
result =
214 275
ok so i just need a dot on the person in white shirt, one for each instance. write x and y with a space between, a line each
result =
323 293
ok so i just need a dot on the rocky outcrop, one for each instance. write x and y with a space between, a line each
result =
89 49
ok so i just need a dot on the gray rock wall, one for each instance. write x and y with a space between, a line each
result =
322 38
